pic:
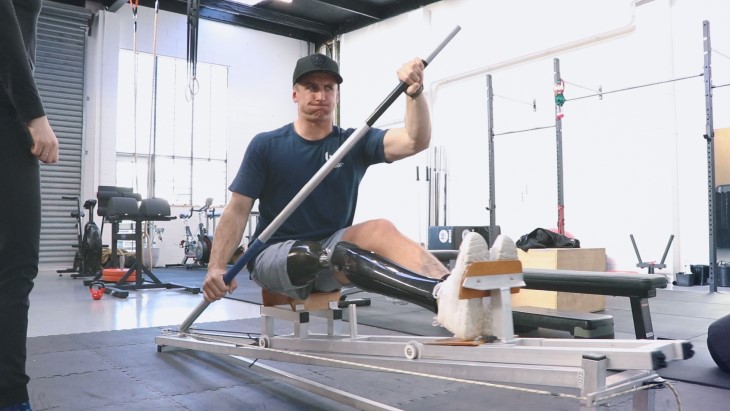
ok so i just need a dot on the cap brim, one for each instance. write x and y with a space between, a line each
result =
331 73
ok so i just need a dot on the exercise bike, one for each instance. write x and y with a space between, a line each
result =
198 246
87 260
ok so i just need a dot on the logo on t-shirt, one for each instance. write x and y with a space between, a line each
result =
327 156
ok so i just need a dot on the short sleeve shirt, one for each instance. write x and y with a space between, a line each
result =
277 164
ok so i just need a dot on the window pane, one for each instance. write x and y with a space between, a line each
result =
205 172
134 102
165 117
173 179
201 136
190 132
219 112
132 172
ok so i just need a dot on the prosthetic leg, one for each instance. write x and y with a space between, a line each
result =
373 273
304 261
365 269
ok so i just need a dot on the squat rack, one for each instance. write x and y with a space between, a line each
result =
491 134
709 137
558 89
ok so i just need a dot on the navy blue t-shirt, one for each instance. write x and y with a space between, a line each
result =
278 163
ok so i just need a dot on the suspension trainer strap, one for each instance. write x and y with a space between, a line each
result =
153 107
134 4
192 54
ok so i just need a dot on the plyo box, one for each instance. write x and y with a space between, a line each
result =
581 259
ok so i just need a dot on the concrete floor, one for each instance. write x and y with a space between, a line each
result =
61 305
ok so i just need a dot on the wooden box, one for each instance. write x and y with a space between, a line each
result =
584 259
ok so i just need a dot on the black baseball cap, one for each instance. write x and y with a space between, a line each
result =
316 62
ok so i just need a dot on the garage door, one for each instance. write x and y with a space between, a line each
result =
59 73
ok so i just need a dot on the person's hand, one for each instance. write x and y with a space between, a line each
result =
411 73
214 288
45 143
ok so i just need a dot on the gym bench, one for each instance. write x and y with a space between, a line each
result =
638 287
120 204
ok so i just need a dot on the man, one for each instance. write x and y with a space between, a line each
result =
318 248
26 138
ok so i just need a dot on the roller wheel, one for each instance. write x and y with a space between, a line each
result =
264 342
412 350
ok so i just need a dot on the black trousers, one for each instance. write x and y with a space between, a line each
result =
20 205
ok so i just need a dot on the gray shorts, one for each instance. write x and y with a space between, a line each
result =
269 270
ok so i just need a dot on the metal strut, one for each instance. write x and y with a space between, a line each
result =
710 138
559 148
490 140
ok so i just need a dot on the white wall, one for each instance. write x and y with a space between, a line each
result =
634 162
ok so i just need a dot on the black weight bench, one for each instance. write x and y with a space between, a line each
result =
150 209
125 208
579 325
638 287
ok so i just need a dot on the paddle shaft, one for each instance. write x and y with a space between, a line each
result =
307 189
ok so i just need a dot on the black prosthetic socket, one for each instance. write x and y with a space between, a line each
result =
373 273
304 261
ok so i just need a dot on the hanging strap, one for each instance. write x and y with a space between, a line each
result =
134 4
153 113
192 54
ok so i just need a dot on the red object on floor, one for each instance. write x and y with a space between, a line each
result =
97 289
116 274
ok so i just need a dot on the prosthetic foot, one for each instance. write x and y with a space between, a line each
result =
373 273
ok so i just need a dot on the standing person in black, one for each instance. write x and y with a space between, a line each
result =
26 137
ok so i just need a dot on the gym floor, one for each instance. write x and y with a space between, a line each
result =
61 305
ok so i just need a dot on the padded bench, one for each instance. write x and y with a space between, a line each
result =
579 325
639 287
